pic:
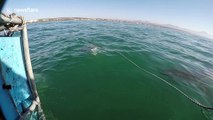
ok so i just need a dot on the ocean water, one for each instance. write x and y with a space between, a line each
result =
99 70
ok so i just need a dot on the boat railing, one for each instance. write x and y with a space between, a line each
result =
8 25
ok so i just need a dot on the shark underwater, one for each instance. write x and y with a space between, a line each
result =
175 73
201 79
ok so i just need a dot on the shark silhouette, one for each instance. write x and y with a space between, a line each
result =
197 78
175 73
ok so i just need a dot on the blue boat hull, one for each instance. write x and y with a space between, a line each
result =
15 93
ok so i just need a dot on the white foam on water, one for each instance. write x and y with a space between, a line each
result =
94 50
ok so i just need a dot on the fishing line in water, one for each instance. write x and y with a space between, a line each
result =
163 80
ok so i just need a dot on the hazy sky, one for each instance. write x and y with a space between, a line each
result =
192 14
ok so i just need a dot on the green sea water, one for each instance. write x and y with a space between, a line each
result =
81 74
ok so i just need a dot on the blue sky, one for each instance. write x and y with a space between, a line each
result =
192 14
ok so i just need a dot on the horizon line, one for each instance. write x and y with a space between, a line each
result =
135 21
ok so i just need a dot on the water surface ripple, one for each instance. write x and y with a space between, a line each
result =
81 76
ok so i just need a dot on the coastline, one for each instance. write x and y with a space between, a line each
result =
201 34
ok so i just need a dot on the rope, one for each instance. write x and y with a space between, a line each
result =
163 80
